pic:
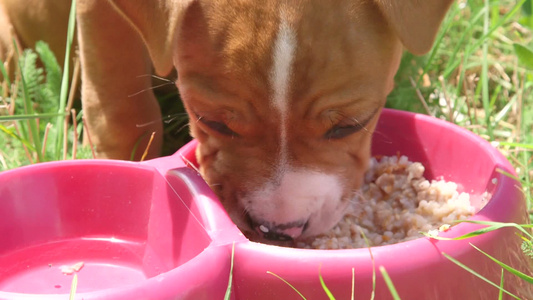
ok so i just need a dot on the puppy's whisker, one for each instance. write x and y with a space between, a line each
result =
147 124
183 127
167 119
184 203
384 136
363 127
170 118
150 88
156 77
245 211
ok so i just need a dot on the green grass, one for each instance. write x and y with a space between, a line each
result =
479 75
29 107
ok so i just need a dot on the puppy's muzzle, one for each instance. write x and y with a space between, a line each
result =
278 232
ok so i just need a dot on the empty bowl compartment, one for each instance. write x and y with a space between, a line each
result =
125 229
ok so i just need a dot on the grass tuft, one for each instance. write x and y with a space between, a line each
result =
36 123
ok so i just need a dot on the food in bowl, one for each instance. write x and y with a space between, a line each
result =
395 204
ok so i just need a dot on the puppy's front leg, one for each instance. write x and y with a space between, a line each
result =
115 70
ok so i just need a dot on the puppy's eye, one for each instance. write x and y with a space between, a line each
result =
218 127
342 130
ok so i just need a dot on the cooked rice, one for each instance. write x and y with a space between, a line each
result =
396 203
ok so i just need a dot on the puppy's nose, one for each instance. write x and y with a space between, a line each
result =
280 232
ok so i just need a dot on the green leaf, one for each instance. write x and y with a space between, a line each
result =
51 89
524 54
30 77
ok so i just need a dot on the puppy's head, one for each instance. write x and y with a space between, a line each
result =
283 97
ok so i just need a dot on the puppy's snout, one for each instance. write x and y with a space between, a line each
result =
278 232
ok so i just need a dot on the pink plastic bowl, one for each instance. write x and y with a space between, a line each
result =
139 234
154 230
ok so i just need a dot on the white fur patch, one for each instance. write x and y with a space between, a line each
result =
298 196
280 77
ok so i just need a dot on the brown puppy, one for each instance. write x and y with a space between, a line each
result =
283 96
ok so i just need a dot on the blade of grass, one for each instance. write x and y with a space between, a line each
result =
145 153
28 116
485 72
353 284
477 275
507 174
495 10
4 73
324 287
389 283
227 296
505 111
526 183
12 134
73 287
491 226
286 282
509 269
65 80
138 144
517 145
373 265
45 138
500 294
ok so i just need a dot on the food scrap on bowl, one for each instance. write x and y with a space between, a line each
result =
69 270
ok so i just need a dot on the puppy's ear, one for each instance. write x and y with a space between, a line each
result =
156 21
416 22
